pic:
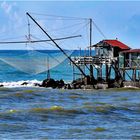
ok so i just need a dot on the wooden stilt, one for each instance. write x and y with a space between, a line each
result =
107 76
123 74
134 75
48 71
91 71
109 73
73 73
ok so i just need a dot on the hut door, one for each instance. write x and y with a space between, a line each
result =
116 52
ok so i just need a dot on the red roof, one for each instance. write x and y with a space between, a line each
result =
131 51
116 43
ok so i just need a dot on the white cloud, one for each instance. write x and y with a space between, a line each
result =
6 7
18 18
12 13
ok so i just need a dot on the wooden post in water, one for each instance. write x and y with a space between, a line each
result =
99 72
109 73
48 71
134 75
124 65
107 77
123 74
73 72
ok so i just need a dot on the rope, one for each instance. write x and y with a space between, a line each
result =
99 30
71 26
29 33
64 17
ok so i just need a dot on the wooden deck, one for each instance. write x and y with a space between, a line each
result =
87 60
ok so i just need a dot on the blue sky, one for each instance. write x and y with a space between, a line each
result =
116 19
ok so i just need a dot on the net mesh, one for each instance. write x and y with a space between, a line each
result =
35 62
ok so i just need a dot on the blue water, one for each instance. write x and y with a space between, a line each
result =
35 113
63 71
9 73
40 113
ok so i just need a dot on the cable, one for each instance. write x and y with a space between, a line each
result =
99 30
47 53
70 26
64 17
29 30
44 42
84 26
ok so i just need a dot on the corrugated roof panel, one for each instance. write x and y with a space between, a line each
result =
116 43
132 51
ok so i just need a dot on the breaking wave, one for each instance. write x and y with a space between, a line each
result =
26 83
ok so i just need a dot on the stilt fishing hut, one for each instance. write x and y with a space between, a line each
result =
107 52
129 64
104 59
110 48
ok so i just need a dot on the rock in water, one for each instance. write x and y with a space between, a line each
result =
49 83
37 85
52 83
60 83
24 83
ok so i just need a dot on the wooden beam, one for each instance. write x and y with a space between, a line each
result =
37 41
56 44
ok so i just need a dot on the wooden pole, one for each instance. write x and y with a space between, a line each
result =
109 73
90 20
73 72
107 77
37 41
124 74
99 72
134 75
124 67
48 72
90 49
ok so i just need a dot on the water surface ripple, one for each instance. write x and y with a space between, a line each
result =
38 113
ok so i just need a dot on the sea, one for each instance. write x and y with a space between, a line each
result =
29 112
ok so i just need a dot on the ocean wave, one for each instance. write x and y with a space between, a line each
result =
56 109
12 127
105 109
37 113
26 83
26 95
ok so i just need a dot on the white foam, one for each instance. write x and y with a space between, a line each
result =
30 83
131 87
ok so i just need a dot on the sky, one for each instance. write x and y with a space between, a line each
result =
116 19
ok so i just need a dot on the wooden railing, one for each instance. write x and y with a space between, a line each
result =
131 63
91 60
